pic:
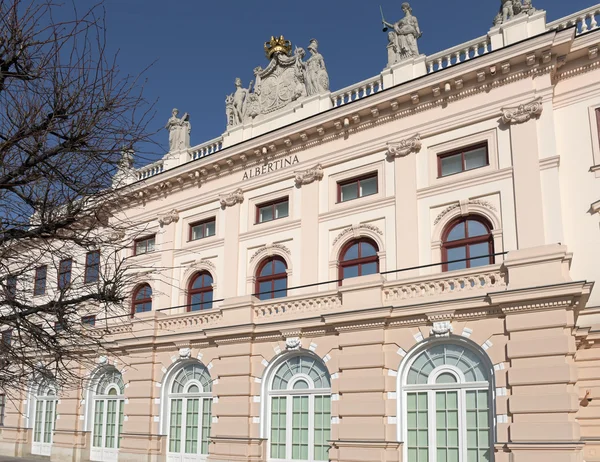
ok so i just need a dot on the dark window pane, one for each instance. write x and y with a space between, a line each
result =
264 289
197 232
475 228
140 247
282 209
210 228
279 285
457 253
348 192
477 250
367 250
40 280
451 164
476 158
196 302
350 272
279 267
351 253
267 269
150 244
265 214
369 268
88 321
456 233
368 186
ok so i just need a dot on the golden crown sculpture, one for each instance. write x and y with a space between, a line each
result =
278 45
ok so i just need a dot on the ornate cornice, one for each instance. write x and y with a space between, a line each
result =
523 112
165 219
403 147
229 200
305 177
268 249
356 229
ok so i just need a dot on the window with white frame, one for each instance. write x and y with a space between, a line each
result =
190 405
107 404
447 406
44 418
299 410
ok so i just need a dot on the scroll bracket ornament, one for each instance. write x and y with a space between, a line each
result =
309 176
523 112
404 147
229 200
165 219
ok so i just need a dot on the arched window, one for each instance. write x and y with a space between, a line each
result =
200 292
299 410
190 403
447 400
142 299
107 402
467 237
271 279
44 418
358 258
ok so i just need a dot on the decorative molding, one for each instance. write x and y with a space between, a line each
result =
523 112
463 205
356 230
165 219
404 147
269 250
185 353
292 343
441 329
229 200
305 177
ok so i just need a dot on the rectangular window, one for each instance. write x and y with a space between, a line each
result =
191 426
272 210
92 267
357 187
202 229
478 425
462 160
11 287
322 427
175 424
206 420
447 425
6 337
58 327
2 409
300 427
89 321
144 245
39 287
64 273
278 427
417 431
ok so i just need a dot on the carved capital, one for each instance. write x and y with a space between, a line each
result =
523 112
308 176
404 147
165 219
229 200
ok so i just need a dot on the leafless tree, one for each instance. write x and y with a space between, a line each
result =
66 117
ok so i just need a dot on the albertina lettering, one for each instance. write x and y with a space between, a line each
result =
270 167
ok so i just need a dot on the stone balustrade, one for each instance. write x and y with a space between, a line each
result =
357 91
206 149
483 278
192 321
297 305
150 170
585 20
458 54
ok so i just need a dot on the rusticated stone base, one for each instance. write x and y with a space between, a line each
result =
360 451
230 449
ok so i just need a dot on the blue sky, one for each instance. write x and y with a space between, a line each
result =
196 48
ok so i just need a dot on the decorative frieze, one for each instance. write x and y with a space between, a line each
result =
404 147
165 219
229 200
523 112
305 177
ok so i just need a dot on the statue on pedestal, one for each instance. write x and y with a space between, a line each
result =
179 131
403 43
512 8
317 79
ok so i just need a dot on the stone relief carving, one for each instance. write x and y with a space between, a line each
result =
441 329
403 36
523 112
293 343
269 250
450 208
510 9
404 147
165 219
356 229
305 177
285 79
179 131
185 353
229 200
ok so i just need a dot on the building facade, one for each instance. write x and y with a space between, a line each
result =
402 270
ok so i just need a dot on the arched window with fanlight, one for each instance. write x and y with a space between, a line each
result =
298 409
446 404
190 404
469 239
200 292
44 412
271 279
142 299
358 258
108 401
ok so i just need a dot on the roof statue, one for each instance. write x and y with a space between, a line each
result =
179 131
285 79
403 36
512 8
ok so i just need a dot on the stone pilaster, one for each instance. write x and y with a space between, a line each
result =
231 205
309 182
